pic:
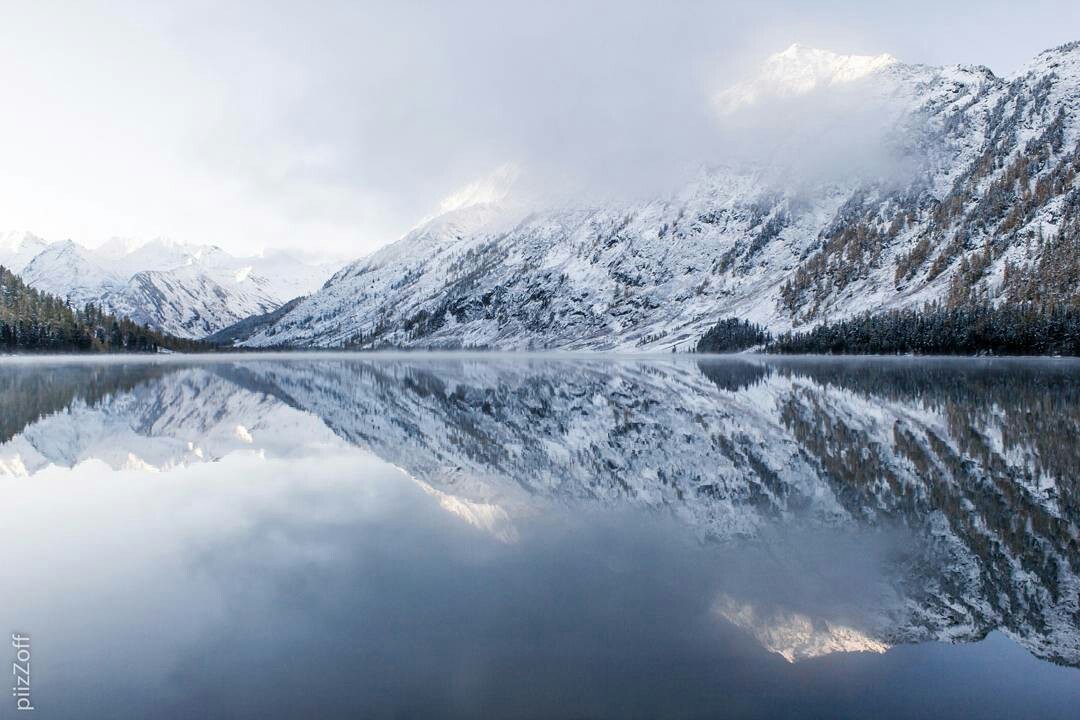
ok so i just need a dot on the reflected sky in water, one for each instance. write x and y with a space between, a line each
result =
324 536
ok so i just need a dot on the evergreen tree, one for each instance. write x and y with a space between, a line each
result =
732 335
34 321
1023 329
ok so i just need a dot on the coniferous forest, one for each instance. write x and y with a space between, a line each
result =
1021 329
732 335
37 322
1005 330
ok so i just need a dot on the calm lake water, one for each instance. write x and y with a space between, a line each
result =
322 536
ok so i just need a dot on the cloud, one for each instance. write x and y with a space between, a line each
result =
798 71
811 117
339 125
491 188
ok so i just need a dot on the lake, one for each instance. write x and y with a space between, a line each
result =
545 536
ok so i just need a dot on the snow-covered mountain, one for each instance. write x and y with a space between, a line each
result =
968 174
797 71
183 289
68 270
18 249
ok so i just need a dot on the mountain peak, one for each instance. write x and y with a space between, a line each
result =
1063 61
117 247
19 248
1070 47
799 70
14 241
66 245
185 289
486 190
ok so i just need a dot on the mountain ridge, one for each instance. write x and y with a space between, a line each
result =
987 167
185 290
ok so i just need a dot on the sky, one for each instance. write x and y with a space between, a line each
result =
334 127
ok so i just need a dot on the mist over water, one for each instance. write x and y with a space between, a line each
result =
538 536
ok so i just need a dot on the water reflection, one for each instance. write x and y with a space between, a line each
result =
810 508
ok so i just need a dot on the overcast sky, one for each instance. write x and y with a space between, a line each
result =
336 126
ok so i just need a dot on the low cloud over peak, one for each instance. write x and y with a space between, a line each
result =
799 70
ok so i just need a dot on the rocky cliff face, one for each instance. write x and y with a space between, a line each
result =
974 198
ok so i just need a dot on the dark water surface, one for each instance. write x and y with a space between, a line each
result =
320 536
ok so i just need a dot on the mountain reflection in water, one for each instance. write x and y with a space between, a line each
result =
811 507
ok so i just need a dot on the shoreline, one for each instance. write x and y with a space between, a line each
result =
493 355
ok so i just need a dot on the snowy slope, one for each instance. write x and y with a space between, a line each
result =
18 249
183 289
70 271
975 167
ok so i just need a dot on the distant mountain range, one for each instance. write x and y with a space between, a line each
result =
975 201
186 290
968 194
